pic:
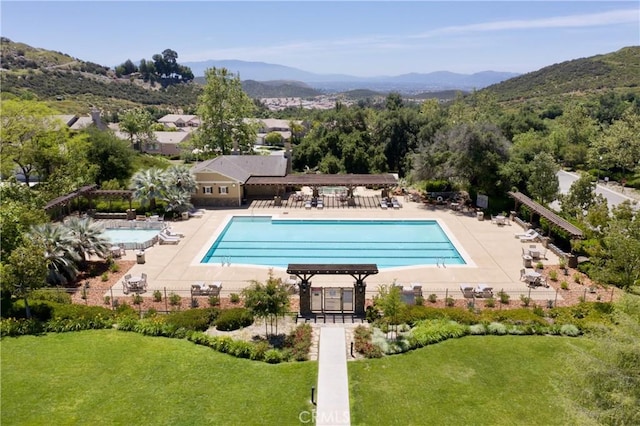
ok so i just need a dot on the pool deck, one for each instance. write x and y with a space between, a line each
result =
495 254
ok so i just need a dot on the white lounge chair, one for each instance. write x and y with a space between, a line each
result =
383 204
528 238
164 239
320 204
171 233
524 234
307 204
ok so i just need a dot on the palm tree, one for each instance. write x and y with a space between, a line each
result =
181 177
177 200
148 185
59 252
88 238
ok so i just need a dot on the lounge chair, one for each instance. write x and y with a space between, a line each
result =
525 234
320 204
383 204
307 204
196 213
467 291
528 238
484 291
171 233
396 204
164 239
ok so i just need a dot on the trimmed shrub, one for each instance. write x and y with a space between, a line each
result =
214 300
192 319
490 302
174 299
504 297
450 301
298 342
157 296
433 298
136 299
234 298
233 319
513 316
104 277
526 300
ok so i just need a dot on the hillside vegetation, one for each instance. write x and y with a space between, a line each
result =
617 70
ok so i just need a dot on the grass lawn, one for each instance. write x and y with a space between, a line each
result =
108 377
476 380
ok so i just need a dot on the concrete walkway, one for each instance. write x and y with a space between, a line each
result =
333 383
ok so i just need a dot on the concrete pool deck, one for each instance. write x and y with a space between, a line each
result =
496 256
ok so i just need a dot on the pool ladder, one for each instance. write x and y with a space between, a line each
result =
225 260
440 259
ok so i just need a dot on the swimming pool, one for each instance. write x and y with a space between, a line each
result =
267 241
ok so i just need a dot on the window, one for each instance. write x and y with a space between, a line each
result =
207 190
223 190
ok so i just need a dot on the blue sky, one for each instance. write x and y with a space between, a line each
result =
360 38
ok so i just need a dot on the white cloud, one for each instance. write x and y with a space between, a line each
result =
573 21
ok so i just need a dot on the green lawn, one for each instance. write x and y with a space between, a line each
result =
476 380
117 378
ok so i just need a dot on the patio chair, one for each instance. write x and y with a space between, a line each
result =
320 204
383 204
143 283
307 204
467 291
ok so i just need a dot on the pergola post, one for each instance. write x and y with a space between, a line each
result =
305 297
360 290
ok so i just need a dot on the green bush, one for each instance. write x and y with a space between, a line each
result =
174 299
553 275
298 342
490 302
51 295
233 319
362 336
214 300
192 319
240 349
20 327
136 299
433 298
234 298
497 328
157 296
564 285
104 277
504 297
526 300
569 330
477 329
419 300
259 350
450 301
114 267
273 356
513 316
433 331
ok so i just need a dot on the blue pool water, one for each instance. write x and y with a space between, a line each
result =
124 236
278 242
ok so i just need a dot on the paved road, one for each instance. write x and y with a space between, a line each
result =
567 178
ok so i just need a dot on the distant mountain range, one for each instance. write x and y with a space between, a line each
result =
413 82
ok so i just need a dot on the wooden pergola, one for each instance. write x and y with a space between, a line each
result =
358 271
316 180
542 211
66 201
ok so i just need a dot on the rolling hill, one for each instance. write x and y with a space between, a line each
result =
617 70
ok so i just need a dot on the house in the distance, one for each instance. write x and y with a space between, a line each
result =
166 143
224 181
180 121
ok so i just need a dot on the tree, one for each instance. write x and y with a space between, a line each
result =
137 124
148 185
88 238
274 139
112 156
267 301
59 252
621 260
223 107
29 134
472 153
543 182
389 301
20 209
25 270
580 197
